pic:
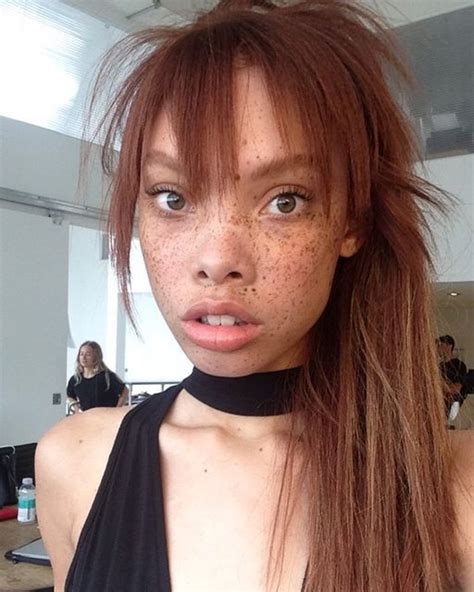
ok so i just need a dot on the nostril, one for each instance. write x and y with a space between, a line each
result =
202 275
235 274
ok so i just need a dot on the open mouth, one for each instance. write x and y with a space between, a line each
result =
221 326
221 320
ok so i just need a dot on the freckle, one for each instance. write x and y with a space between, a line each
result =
205 470
80 441
261 449
254 289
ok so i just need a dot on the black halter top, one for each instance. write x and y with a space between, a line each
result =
122 546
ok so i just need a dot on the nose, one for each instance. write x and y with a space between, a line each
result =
224 254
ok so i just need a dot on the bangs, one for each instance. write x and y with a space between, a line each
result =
322 86
201 102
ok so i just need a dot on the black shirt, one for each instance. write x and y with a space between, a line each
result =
93 392
122 546
454 372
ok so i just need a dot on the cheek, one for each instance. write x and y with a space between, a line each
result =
298 277
298 262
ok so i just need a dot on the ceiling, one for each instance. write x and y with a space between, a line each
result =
444 300
128 16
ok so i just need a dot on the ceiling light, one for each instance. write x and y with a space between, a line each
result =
453 294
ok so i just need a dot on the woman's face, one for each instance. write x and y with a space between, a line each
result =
242 276
87 357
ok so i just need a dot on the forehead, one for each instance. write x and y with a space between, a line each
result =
85 349
257 133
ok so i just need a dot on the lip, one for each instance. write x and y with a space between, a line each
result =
219 307
219 338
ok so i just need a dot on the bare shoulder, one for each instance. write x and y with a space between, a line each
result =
72 438
69 463
72 435
463 451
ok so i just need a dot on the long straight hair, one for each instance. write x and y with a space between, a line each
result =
375 450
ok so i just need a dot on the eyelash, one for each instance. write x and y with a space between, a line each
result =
153 191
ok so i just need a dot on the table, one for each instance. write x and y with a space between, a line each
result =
20 576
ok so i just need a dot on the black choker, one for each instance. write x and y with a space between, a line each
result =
266 393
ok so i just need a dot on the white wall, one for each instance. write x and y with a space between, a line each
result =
33 324
87 304
454 235
39 161
154 354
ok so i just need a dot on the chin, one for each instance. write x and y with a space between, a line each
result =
223 365
234 364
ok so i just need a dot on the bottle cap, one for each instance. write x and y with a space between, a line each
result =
27 481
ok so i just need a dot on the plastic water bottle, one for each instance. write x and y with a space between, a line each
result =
27 501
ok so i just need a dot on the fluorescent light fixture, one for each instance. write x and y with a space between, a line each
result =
443 122
454 294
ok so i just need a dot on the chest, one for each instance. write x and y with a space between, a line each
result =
87 388
188 513
222 517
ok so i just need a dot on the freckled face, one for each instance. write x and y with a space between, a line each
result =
265 246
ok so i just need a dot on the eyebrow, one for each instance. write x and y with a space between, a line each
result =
158 157
274 166
281 164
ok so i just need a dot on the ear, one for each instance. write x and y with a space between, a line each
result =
352 240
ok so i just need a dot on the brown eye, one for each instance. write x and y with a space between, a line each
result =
285 203
288 201
169 200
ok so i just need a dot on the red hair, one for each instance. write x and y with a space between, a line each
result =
375 447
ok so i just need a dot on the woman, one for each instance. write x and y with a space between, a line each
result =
282 231
93 384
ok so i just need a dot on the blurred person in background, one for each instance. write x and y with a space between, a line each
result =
93 384
453 371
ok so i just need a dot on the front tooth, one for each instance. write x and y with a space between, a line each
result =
204 320
228 321
214 320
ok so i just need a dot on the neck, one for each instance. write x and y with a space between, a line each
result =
88 372
188 412
246 406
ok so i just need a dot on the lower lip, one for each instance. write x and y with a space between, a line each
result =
220 338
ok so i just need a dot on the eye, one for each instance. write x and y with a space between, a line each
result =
169 200
287 202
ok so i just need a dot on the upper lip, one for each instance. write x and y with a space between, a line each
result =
218 307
